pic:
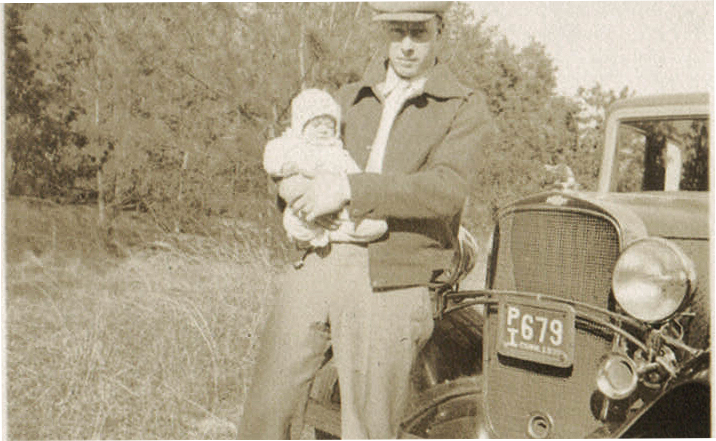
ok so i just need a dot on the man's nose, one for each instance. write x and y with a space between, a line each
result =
407 44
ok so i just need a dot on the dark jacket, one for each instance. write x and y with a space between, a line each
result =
434 148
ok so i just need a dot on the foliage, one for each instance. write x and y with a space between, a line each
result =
696 163
649 151
135 78
290 46
593 103
535 126
36 123
165 107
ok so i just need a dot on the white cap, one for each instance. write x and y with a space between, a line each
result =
408 11
311 103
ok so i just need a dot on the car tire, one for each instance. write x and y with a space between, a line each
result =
451 410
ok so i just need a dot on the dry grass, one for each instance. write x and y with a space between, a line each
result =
157 344
151 337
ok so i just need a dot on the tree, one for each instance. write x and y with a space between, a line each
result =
172 103
535 126
167 106
290 46
593 104
36 125
136 77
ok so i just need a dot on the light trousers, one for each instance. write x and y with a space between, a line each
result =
375 335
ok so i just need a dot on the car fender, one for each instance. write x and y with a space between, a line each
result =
454 409
682 409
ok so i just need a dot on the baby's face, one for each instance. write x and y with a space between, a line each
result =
321 128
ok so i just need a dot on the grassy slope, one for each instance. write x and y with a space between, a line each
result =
149 345
157 343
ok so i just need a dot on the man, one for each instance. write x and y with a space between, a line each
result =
418 135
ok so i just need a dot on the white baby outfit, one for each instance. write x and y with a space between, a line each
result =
293 153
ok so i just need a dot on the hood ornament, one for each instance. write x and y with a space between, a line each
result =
556 200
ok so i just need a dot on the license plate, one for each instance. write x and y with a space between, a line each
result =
541 332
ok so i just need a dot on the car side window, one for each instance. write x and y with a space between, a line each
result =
663 155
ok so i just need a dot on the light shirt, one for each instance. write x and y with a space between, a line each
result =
396 92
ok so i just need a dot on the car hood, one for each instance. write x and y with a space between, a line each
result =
683 215
678 215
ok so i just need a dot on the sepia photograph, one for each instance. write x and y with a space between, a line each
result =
358 220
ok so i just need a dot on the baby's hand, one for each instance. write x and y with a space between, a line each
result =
294 168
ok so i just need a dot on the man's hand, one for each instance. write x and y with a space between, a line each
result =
328 221
326 193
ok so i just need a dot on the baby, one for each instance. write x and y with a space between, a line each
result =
310 145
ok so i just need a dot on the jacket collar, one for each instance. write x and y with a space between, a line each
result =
440 83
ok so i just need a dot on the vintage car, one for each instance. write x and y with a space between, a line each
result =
594 319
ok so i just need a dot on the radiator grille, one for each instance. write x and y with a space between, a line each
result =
568 254
562 253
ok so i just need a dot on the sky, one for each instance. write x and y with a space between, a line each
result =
649 46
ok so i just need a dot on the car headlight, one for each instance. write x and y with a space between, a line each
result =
652 278
617 376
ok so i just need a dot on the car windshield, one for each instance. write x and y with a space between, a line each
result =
663 155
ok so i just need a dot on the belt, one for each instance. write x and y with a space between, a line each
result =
322 252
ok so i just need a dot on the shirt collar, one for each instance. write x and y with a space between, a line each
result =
440 83
393 81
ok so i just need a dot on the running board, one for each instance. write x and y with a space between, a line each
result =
326 419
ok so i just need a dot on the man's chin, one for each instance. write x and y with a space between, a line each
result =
406 74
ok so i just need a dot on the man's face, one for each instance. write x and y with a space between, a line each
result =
411 46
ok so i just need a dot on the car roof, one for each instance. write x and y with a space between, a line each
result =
661 100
